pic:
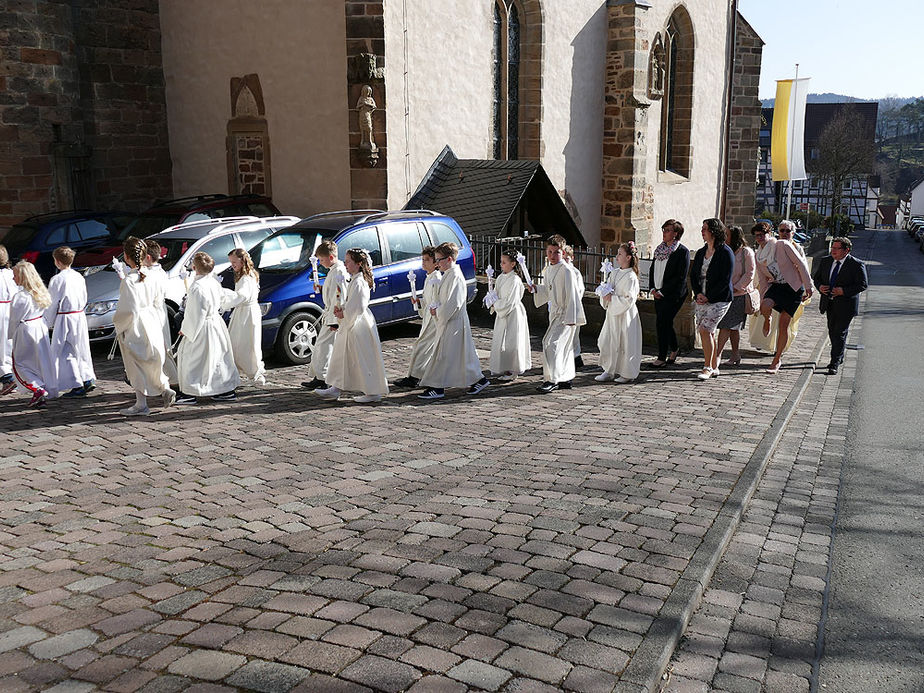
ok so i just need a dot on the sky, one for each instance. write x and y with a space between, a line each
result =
858 48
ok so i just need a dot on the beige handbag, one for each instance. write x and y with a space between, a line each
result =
752 302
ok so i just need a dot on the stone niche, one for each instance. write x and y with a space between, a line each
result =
247 142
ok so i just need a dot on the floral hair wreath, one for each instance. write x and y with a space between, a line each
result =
631 245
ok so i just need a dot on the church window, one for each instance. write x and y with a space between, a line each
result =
675 149
507 52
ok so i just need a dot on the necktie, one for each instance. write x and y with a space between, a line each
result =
837 268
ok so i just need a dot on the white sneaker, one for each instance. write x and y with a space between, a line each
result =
507 378
715 372
604 377
367 399
135 410
622 381
169 397
331 393
705 374
260 381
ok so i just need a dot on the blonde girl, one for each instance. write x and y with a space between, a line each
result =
620 340
139 332
31 358
246 326
510 353
7 289
356 361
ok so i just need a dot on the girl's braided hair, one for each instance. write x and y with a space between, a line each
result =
136 249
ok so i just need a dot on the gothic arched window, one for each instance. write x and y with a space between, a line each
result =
674 153
507 40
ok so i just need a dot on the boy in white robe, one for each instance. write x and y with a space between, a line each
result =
31 356
70 341
330 291
568 257
7 289
455 362
558 290
425 346
157 275
205 363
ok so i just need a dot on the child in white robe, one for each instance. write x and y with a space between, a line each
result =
330 291
7 289
246 326
356 361
138 331
31 358
455 361
559 292
70 340
425 346
620 338
205 363
157 275
510 352
568 258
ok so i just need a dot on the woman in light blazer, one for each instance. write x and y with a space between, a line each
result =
742 283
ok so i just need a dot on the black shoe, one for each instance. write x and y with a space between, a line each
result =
76 392
184 399
566 385
431 393
578 362
89 385
547 387
408 382
225 397
479 386
315 384
832 370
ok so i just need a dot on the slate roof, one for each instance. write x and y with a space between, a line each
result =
484 196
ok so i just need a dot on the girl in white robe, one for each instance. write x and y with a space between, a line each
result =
425 346
205 363
510 352
356 362
157 275
330 291
246 326
620 340
70 341
7 289
138 331
455 361
559 291
31 358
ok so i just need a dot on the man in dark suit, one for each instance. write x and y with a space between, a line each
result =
840 278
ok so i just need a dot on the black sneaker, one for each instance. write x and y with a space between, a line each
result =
314 384
76 392
89 385
547 387
408 382
578 362
432 393
184 399
225 397
566 385
479 386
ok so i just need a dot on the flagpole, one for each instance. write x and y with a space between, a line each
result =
795 87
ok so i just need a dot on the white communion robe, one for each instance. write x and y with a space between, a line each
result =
455 362
157 274
246 327
31 359
356 362
582 320
566 314
620 339
204 360
324 344
510 350
7 289
70 339
138 329
425 346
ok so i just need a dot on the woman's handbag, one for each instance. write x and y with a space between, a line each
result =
752 302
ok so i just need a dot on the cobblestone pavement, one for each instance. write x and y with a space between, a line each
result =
505 542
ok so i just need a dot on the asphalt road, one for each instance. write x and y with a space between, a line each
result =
874 635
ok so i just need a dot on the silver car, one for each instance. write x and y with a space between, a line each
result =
217 237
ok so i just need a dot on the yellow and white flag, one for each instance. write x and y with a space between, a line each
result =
787 138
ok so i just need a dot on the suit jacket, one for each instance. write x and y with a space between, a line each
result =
718 287
851 278
675 275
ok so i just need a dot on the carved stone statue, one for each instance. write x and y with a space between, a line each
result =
365 105
657 69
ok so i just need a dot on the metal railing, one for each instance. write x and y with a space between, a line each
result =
587 260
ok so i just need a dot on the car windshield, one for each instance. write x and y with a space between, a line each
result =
289 250
172 250
18 237
147 225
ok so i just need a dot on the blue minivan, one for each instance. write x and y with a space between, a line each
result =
291 308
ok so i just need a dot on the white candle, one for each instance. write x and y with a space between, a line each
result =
521 261
412 278
314 270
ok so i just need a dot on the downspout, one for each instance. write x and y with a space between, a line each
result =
728 106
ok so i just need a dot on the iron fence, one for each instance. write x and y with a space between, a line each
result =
587 260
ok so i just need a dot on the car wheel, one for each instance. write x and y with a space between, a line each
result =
296 338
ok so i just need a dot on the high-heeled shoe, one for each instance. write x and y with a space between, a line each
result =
733 361
773 369
672 358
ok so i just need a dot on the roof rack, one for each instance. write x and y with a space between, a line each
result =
238 196
191 198
56 214
259 221
218 221
343 212
401 213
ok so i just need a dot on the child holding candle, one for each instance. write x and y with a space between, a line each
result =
326 253
578 278
246 325
620 338
70 343
425 346
158 277
510 353
455 362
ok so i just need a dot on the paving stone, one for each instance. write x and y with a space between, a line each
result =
211 635
209 665
587 680
20 637
381 673
479 674
437 684
321 656
268 677
60 645
533 664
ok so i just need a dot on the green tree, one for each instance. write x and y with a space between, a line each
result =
845 150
